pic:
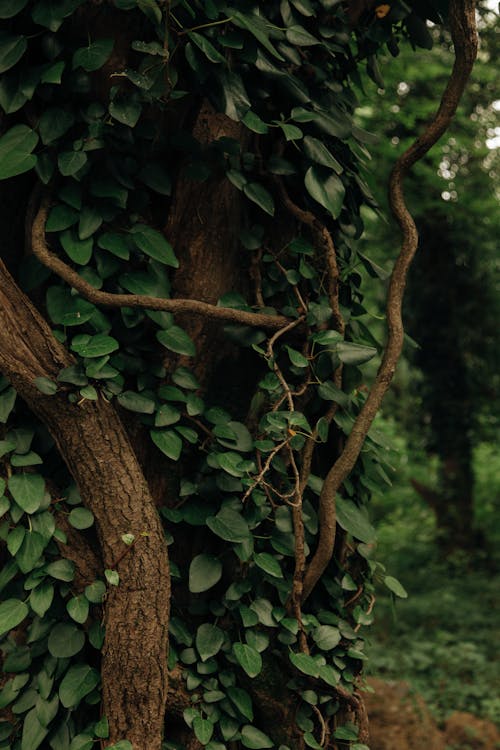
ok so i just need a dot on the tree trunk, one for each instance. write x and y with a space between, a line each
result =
92 441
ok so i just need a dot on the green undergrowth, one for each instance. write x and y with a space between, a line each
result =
444 639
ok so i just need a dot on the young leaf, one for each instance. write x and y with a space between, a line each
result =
204 572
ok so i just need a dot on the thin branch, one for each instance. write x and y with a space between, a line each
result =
108 299
463 29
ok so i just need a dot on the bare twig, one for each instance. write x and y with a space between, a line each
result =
463 28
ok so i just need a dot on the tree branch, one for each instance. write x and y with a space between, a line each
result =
108 299
463 29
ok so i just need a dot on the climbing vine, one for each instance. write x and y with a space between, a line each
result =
191 179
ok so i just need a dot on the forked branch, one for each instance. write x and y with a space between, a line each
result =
463 30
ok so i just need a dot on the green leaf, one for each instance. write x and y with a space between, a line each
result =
54 122
61 217
121 745
206 47
166 415
136 402
94 55
63 570
204 572
81 518
327 189
269 564
259 195
253 122
115 243
242 701
296 358
177 340
154 244
329 674
7 401
70 162
78 682
78 608
236 101
16 146
79 251
168 442
94 346
326 637
65 640
248 658
46 386
209 639
203 729
12 48
259 26
112 577
228 524
253 738
90 221
156 177
354 520
354 354
305 663
10 8
298 35
125 111
318 152
12 612
394 585
67 309
41 598
30 551
28 490
34 732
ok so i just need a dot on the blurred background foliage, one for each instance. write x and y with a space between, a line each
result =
439 528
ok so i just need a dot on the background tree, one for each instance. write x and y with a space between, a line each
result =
452 307
198 161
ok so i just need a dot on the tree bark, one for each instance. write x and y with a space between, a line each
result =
97 451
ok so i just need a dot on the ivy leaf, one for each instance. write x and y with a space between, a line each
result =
46 386
41 598
305 663
354 354
394 585
81 518
30 551
209 639
203 729
28 490
328 191
34 732
79 251
65 640
259 195
154 244
354 520
177 340
228 524
248 658
16 146
242 701
12 48
136 402
54 122
318 152
168 442
94 55
10 8
78 682
204 572
206 47
94 346
78 608
298 35
125 111
236 103
12 612
70 162
326 637
67 309
252 737
269 564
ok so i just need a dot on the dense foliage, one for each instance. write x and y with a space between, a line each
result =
105 111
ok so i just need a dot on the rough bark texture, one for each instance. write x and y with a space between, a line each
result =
96 449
